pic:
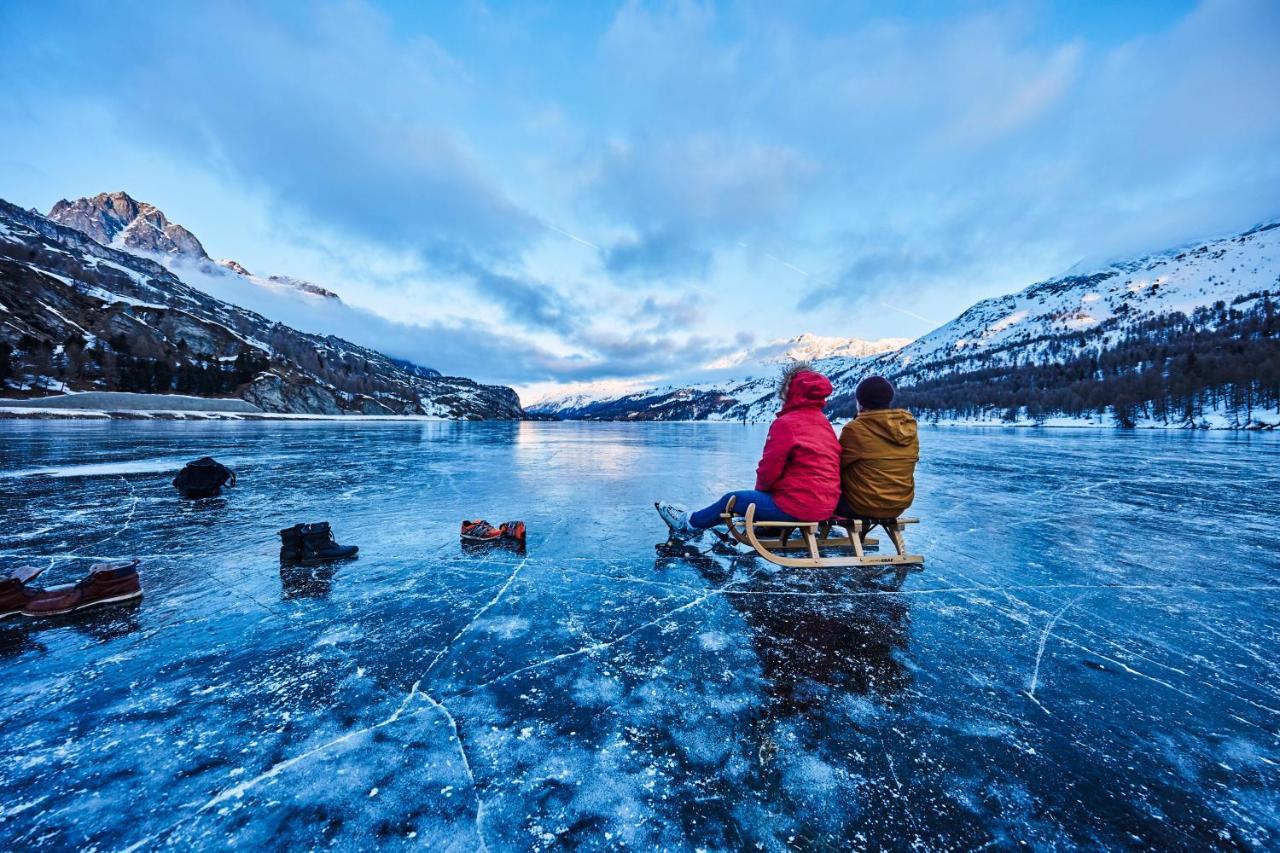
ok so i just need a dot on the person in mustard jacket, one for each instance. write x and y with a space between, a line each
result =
878 454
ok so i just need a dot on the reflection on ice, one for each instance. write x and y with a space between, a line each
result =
1073 667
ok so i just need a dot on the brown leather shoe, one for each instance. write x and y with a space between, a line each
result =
106 582
14 593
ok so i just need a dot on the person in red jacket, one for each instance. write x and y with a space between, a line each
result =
798 478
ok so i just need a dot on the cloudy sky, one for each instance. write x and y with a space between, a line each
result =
558 193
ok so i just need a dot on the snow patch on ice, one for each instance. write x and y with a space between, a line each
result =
101 469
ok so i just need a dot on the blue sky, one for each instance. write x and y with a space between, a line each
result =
556 193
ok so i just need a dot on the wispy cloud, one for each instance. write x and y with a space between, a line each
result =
344 119
574 189
684 198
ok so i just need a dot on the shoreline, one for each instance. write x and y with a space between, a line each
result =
35 413
24 413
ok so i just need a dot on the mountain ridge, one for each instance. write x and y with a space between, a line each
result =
742 367
118 220
1048 322
82 315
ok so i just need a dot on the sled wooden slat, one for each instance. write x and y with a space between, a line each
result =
829 542
902 520
815 535
792 524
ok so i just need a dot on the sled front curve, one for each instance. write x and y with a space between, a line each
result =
743 529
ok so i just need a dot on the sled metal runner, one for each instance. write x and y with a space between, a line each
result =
817 535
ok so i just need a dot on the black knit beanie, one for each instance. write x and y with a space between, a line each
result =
874 392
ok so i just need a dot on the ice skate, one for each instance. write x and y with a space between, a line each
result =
677 520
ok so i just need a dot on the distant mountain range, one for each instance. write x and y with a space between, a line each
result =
751 373
84 307
98 295
1184 337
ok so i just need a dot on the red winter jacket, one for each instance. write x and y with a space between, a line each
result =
801 462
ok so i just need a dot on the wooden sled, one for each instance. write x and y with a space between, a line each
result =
816 535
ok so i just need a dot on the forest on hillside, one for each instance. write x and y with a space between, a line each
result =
121 365
1172 369
141 364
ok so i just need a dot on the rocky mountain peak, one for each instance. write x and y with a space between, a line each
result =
810 347
101 217
117 219
234 266
304 286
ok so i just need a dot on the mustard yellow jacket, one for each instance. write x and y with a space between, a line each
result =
878 454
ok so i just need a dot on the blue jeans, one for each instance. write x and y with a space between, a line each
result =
766 509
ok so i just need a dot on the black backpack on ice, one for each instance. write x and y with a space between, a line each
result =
204 478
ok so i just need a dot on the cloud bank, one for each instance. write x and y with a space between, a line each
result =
592 192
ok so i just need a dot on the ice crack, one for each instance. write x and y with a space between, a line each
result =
597 646
466 765
239 790
1044 638
475 617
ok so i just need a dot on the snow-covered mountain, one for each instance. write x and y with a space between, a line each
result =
1058 321
82 315
1100 305
121 222
118 221
737 374
806 347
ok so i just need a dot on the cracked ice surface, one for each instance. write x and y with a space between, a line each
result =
1089 658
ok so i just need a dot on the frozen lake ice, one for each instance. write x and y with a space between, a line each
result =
1091 657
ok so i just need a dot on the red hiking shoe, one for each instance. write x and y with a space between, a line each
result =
513 531
482 532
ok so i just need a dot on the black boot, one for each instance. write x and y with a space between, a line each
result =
319 546
291 544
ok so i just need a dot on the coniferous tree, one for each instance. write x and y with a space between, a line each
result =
1171 369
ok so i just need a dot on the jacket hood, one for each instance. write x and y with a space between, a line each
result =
895 426
807 389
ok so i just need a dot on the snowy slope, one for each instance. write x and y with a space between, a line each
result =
119 221
1025 327
61 289
1018 326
